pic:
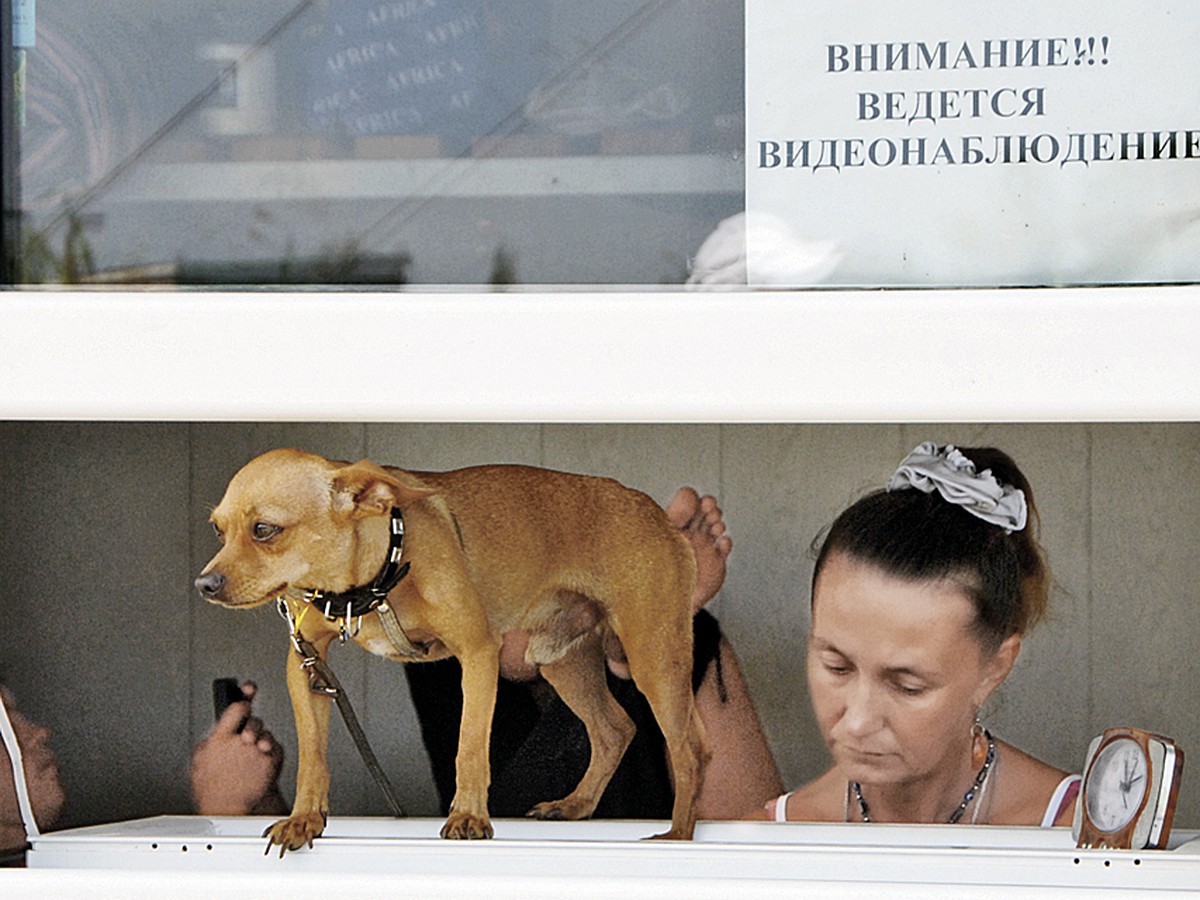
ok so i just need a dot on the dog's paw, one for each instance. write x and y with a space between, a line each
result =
560 810
466 827
675 834
547 811
294 832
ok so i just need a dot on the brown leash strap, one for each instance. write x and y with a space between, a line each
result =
322 681
395 633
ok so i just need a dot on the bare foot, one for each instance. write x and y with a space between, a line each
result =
700 520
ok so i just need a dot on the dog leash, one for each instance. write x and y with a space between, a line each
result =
321 680
342 608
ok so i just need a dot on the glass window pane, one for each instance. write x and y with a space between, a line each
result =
441 142
644 143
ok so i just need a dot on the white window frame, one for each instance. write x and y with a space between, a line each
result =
1066 354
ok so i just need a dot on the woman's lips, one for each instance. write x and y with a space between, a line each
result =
864 755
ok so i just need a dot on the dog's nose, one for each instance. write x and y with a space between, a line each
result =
210 584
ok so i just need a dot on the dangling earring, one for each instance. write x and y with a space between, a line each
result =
978 753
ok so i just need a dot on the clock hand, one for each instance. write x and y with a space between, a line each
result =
1127 786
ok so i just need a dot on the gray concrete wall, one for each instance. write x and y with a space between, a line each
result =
103 526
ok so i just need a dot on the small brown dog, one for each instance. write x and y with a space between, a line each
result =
571 559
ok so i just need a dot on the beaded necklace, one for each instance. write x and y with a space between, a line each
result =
972 791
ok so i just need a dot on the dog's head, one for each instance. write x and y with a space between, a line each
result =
291 519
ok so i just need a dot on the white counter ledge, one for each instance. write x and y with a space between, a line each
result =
180 856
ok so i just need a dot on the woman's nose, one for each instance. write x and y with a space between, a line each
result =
863 713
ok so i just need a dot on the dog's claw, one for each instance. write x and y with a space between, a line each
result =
567 809
465 827
295 832
548 812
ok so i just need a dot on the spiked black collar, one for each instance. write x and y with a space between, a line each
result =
358 601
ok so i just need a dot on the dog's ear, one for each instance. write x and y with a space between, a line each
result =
365 489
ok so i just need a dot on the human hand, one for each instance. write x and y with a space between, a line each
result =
236 773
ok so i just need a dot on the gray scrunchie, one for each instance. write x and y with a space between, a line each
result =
954 477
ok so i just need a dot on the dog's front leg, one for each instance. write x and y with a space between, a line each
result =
307 820
468 817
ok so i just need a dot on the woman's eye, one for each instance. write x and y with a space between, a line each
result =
837 668
264 532
911 690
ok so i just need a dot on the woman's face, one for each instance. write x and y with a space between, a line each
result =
41 775
896 672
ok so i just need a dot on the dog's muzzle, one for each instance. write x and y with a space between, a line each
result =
210 585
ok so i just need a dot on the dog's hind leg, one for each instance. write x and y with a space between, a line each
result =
579 680
662 672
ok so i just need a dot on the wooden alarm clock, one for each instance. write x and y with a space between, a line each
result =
1129 792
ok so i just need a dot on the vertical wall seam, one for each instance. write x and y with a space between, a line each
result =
721 499
364 785
191 607
1090 570
721 461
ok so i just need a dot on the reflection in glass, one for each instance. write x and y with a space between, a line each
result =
457 142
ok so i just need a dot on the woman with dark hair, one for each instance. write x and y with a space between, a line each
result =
921 595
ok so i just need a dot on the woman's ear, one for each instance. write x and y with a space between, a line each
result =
998 666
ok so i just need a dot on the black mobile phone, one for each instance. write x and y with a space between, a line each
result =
225 692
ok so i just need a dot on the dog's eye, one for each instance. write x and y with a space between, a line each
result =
264 531
218 532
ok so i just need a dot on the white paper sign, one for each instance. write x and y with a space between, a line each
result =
972 144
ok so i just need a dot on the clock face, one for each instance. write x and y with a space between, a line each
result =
1116 784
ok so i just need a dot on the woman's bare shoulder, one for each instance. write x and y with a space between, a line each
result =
821 800
1026 786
